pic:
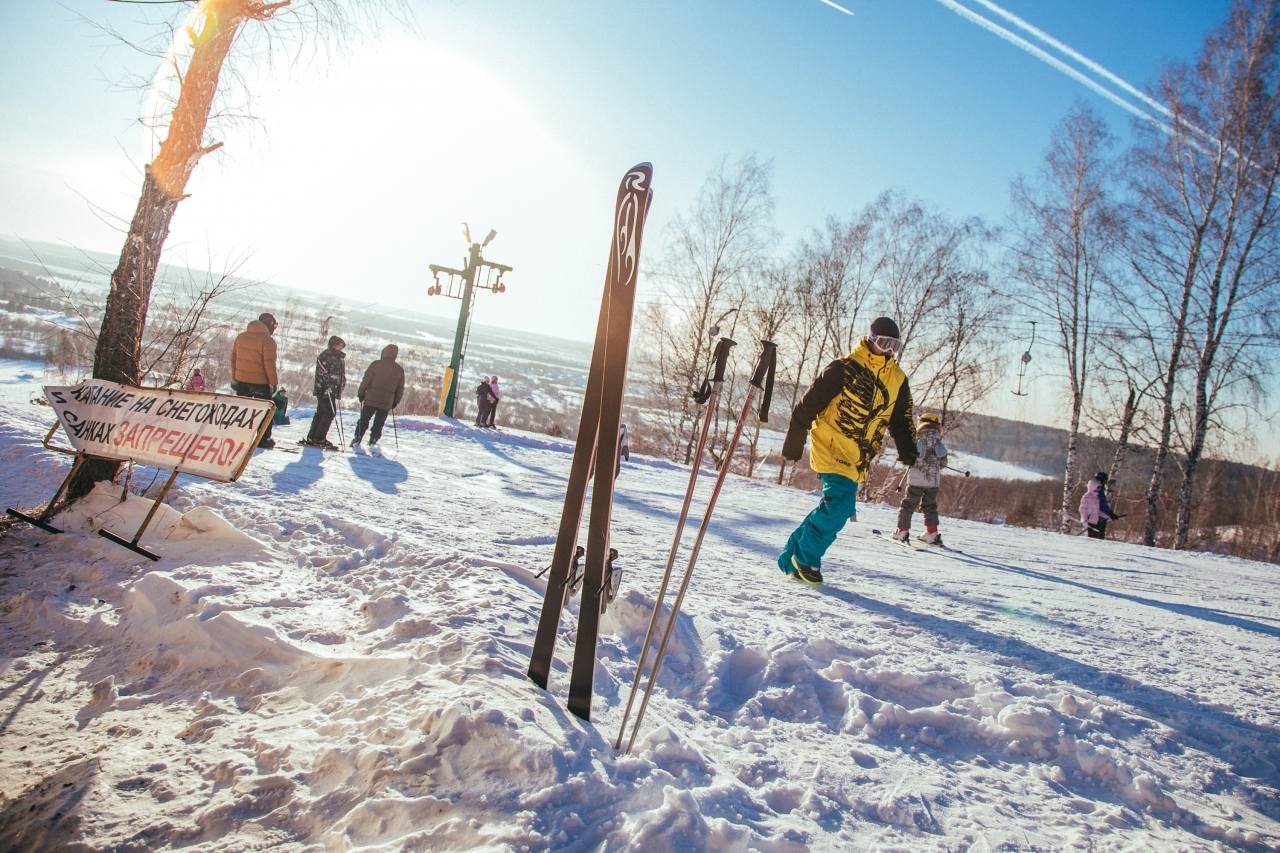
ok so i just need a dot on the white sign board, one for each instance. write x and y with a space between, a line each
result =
207 435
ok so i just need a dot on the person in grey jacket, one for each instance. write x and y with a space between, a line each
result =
923 482
380 392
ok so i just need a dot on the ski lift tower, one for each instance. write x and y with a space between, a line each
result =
462 284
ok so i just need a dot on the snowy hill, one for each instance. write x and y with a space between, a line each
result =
331 655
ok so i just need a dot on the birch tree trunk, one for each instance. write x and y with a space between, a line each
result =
119 349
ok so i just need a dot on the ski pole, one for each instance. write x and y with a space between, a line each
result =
762 376
395 431
902 479
342 437
721 361
957 470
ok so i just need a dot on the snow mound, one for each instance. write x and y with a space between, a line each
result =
198 535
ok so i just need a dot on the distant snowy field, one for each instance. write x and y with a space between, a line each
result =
331 656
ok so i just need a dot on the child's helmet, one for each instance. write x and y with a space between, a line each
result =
930 419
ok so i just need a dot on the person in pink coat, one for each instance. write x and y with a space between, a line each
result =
1095 512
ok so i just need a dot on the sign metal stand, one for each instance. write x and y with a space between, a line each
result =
42 520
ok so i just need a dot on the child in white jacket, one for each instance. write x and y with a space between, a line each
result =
924 481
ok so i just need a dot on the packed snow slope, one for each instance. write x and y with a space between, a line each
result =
331 656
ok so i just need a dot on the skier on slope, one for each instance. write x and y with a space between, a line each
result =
923 481
484 399
380 392
331 378
1095 512
847 408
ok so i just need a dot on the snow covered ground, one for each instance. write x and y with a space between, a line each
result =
331 655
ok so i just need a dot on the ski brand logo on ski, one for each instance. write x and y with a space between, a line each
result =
629 222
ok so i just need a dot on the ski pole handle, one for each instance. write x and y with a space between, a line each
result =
763 375
765 363
722 358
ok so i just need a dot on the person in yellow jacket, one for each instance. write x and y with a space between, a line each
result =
845 412
253 365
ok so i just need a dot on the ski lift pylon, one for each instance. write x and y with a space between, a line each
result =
1024 361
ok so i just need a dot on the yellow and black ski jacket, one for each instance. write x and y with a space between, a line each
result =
847 409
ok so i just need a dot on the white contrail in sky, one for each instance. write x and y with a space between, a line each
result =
837 6
1074 54
1038 53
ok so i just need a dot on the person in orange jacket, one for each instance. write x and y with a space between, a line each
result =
253 365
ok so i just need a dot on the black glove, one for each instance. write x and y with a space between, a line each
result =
909 460
793 447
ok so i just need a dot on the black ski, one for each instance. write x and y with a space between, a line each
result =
597 444
888 537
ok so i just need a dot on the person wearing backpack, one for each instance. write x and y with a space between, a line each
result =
923 482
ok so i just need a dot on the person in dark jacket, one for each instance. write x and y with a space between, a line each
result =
484 399
380 392
331 378
493 406
847 410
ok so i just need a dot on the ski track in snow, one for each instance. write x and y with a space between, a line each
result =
331 656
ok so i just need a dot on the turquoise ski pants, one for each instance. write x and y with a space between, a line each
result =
816 533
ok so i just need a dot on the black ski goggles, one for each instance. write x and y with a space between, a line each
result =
893 346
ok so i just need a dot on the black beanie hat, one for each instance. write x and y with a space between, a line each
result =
336 341
1102 477
884 327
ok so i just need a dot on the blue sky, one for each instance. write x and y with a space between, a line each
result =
523 116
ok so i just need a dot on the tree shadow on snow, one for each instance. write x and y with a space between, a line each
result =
1251 749
379 471
47 815
1208 614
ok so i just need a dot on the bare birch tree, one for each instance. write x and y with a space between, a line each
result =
1206 242
713 252
1067 230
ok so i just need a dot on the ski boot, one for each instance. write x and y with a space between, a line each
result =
811 575
932 537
